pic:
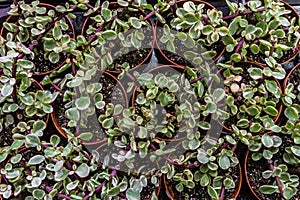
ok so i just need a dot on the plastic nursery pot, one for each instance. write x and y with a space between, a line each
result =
296 50
275 119
147 58
58 127
171 195
246 175
155 71
287 79
166 59
14 19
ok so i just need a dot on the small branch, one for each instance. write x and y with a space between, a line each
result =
196 79
171 161
272 49
73 66
271 166
59 195
133 79
150 14
243 13
98 189
205 20
222 193
220 149
239 46
57 88
5 179
191 165
93 37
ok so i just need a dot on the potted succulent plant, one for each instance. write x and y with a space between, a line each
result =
55 171
119 32
196 26
208 173
22 100
260 29
274 176
252 98
84 101
44 32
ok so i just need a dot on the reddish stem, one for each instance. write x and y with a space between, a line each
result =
240 44
59 195
222 193
190 166
5 179
205 20
149 14
57 88
243 13
93 37
196 79
220 149
271 166
98 189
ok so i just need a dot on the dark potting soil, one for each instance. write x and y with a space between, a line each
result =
42 63
255 169
199 192
295 80
148 190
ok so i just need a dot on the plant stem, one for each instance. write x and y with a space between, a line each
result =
220 149
150 14
122 196
93 37
171 161
133 79
239 46
196 79
205 20
5 179
73 66
243 13
272 49
98 189
190 166
271 166
57 88
222 193
59 195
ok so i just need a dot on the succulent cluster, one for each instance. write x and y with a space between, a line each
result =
124 129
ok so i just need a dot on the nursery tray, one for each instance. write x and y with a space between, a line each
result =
245 193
